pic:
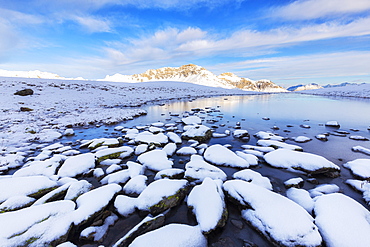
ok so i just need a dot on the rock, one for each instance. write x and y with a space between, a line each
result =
198 169
77 165
161 195
222 156
148 224
69 132
113 153
300 162
278 144
321 137
342 221
237 223
358 138
294 183
192 120
210 210
301 139
241 134
24 92
155 160
176 235
283 222
200 133
172 173
253 177
334 124
25 109
360 168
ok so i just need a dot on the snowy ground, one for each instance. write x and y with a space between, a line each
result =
56 104
70 193
359 91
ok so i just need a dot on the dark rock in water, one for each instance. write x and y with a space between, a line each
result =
333 124
224 242
312 181
337 134
305 126
24 92
249 244
26 109
237 223
343 132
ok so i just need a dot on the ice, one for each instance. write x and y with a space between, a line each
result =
299 161
77 165
24 186
254 178
359 168
210 210
301 197
135 185
278 144
220 155
175 235
192 120
342 221
155 160
198 169
275 216
186 151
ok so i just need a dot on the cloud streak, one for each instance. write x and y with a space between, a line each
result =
312 9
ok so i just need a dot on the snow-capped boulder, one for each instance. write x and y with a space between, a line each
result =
162 194
77 165
278 144
176 235
197 132
113 153
359 167
155 160
210 210
342 221
173 173
198 169
301 197
241 134
222 156
254 178
334 124
279 219
300 162
186 151
192 120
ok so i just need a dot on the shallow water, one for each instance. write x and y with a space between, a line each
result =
286 111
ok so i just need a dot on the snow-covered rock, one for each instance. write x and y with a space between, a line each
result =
279 219
334 124
176 235
222 156
250 158
170 149
192 120
135 185
198 169
294 182
155 160
113 153
254 178
359 167
197 132
77 165
300 162
174 137
173 173
361 149
210 210
301 197
324 189
186 151
278 144
268 136
361 186
301 139
342 221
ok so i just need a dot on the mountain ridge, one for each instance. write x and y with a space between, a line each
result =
198 75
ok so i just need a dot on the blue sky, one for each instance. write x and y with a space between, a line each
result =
288 42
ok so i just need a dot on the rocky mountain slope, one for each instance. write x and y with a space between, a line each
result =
198 75
304 87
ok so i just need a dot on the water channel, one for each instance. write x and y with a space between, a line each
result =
287 112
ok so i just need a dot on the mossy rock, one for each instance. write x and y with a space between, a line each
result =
169 202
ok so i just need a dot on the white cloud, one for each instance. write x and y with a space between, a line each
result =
278 69
311 9
92 24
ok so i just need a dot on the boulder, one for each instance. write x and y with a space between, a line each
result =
24 92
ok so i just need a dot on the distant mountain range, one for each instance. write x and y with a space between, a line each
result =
198 75
187 73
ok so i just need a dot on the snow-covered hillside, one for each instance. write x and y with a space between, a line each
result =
34 74
198 75
360 91
304 87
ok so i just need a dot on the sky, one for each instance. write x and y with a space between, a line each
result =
287 41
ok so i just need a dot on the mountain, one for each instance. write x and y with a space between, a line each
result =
342 84
34 74
304 87
198 75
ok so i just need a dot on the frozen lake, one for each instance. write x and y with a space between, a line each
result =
286 113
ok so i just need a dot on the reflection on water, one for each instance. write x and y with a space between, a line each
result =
282 110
